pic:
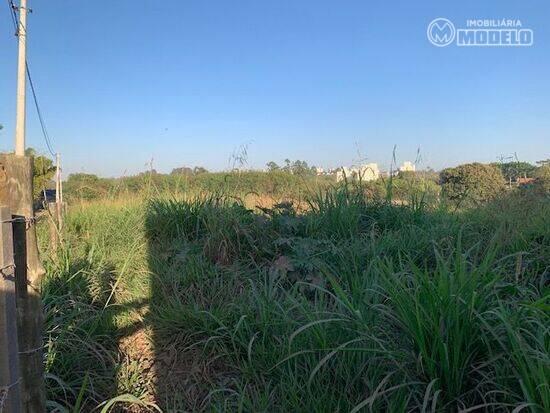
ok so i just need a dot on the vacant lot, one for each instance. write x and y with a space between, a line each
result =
209 304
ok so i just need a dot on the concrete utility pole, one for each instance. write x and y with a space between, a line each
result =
16 192
21 80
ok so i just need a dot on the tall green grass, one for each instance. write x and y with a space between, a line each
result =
355 304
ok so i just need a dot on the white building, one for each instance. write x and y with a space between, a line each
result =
367 172
407 167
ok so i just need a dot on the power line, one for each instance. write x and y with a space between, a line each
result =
39 112
45 134
13 16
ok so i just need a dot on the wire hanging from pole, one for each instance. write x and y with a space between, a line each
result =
39 112
13 16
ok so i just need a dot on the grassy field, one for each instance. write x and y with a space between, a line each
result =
344 304
274 184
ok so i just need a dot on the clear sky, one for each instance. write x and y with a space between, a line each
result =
187 82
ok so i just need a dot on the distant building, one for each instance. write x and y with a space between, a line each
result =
367 172
407 167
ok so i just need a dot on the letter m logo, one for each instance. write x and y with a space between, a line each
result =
441 32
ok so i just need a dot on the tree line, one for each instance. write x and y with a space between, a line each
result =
467 183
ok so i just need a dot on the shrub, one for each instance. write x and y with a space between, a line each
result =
542 179
472 183
86 186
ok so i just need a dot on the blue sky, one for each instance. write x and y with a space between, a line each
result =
187 82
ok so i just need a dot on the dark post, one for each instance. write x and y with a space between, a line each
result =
10 401
16 192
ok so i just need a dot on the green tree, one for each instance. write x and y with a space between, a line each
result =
542 178
296 167
288 166
514 170
428 174
472 183
85 186
197 170
184 170
300 168
43 172
83 178
272 166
